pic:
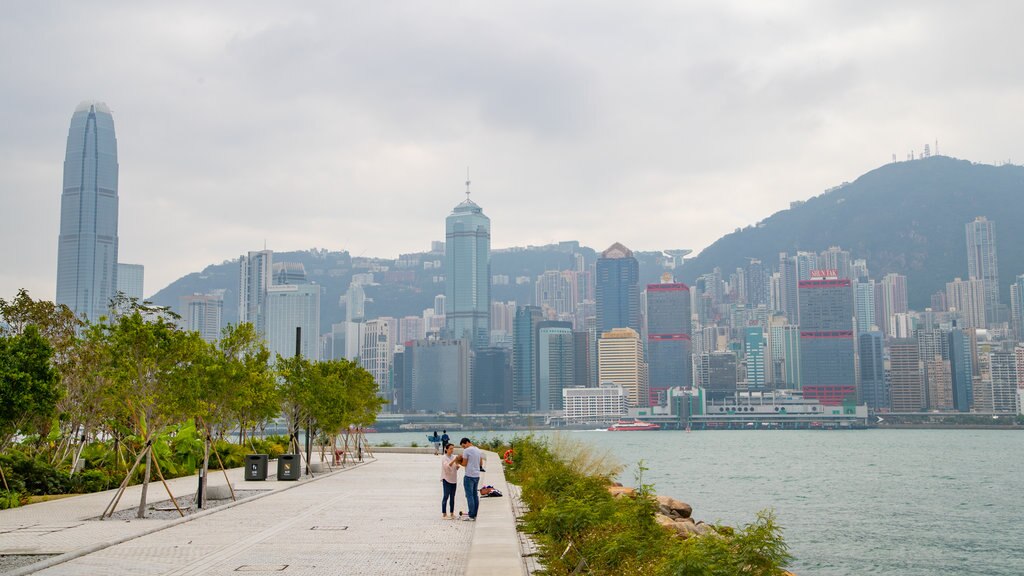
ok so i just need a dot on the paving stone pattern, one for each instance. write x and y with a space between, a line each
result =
378 519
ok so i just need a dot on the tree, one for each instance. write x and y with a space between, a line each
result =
149 361
29 385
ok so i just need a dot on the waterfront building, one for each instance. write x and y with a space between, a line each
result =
288 307
604 403
1003 366
492 381
620 360
437 373
874 390
827 364
130 280
961 364
555 363
669 348
255 269
906 383
983 264
524 365
88 244
967 298
203 313
468 273
618 296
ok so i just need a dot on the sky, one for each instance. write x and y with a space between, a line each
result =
351 125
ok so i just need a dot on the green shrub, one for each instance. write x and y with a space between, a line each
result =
565 486
93 481
9 499
386 444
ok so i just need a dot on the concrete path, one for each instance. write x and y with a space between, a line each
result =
382 517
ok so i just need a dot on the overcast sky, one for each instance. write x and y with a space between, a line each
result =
350 125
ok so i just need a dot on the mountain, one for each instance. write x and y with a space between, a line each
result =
404 286
905 217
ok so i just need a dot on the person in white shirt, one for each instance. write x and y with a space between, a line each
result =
471 456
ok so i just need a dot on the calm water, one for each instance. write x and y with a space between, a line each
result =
893 502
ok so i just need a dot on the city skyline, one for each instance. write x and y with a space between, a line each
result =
349 113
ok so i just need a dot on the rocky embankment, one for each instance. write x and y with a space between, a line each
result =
678 517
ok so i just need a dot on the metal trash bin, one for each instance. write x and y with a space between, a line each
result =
256 466
289 467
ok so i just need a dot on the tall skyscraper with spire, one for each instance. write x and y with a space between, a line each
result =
468 273
618 289
87 247
982 263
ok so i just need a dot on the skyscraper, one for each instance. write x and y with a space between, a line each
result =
524 350
618 291
254 279
468 273
905 369
982 263
669 348
555 363
620 360
873 391
826 339
288 307
894 300
202 313
87 247
130 280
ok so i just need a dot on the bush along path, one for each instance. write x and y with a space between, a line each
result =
583 522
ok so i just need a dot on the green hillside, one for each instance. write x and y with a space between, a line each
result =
905 217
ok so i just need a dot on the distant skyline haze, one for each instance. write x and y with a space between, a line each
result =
349 126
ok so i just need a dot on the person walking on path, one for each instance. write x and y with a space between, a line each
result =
471 480
437 443
445 439
449 481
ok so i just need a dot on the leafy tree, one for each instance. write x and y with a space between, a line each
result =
29 385
149 361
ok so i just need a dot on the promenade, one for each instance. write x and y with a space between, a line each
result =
379 517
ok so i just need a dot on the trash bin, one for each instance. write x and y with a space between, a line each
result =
288 467
256 467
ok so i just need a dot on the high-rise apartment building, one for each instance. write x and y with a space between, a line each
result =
982 263
905 376
468 274
130 280
939 384
290 307
1004 382
1017 306
827 366
967 299
203 313
620 360
555 294
255 277
669 347
376 352
618 296
894 300
87 247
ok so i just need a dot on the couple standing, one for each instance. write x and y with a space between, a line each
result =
470 459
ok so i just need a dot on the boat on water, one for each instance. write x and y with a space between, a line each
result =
632 426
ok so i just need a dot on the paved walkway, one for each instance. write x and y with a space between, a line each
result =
381 517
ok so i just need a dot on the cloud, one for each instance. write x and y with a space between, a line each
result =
350 125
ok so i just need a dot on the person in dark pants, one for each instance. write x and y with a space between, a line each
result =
449 481
471 456
445 439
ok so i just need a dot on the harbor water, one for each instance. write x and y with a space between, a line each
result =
888 502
